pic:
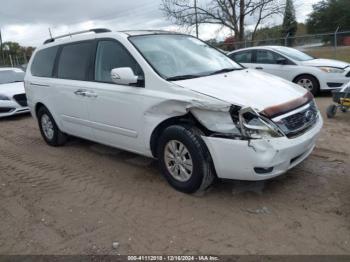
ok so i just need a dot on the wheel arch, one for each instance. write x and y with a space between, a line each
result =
37 107
187 119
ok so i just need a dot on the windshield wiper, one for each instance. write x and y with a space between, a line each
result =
182 77
225 70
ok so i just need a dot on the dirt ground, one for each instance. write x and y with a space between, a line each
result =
81 198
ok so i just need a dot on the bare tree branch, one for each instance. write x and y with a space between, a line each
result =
231 14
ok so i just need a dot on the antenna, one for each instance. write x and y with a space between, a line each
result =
50 33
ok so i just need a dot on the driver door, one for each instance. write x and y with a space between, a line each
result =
115 110
268 61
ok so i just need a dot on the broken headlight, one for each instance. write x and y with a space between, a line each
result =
216 121
255 126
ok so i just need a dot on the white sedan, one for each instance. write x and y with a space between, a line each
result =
291 64
13 100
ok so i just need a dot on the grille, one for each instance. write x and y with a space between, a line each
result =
21 99
6 109
300 122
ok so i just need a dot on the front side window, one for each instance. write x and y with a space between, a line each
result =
267 57
242 57
110 55
74 61
43 62
176 57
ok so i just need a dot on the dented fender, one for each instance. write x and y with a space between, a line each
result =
165 108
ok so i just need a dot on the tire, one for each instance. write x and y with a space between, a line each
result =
202 174
309 82
331 111
50 131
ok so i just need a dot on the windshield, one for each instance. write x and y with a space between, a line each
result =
11 76
294 54
177 57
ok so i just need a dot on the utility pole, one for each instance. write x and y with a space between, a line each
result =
196 15
336 41
1 50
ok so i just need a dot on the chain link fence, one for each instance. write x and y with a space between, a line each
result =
334 45
8 59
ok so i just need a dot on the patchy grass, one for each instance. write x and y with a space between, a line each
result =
343 53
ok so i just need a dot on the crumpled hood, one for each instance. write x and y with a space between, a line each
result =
326 62
246 88
12 89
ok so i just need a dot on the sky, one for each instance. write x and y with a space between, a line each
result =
27 22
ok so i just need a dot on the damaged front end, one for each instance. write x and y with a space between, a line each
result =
249 145
289 119
257 147
237 123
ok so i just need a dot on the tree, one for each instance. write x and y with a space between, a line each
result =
290 25
231 14
18 53
327 15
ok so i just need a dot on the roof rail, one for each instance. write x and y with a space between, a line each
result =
95 30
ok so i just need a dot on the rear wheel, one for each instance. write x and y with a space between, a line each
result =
309 82
49 129
184 159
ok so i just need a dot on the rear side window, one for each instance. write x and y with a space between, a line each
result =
43 62
242 57
110 55
74 61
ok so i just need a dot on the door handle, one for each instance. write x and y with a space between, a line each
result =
86 93
80 92
259 68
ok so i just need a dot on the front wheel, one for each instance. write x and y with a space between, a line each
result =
309 82
184 159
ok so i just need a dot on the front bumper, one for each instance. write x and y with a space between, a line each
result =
238 159
10 108
334 81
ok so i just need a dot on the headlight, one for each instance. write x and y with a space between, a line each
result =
247 124
255 126
216 121
3 97
332 70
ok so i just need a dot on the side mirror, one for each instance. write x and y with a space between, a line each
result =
282 61
123 76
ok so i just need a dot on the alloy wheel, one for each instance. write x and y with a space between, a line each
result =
178 160
306 83
47 126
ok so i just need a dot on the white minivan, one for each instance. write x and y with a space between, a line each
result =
172 97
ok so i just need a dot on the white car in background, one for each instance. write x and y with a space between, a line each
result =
13 100
312 73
